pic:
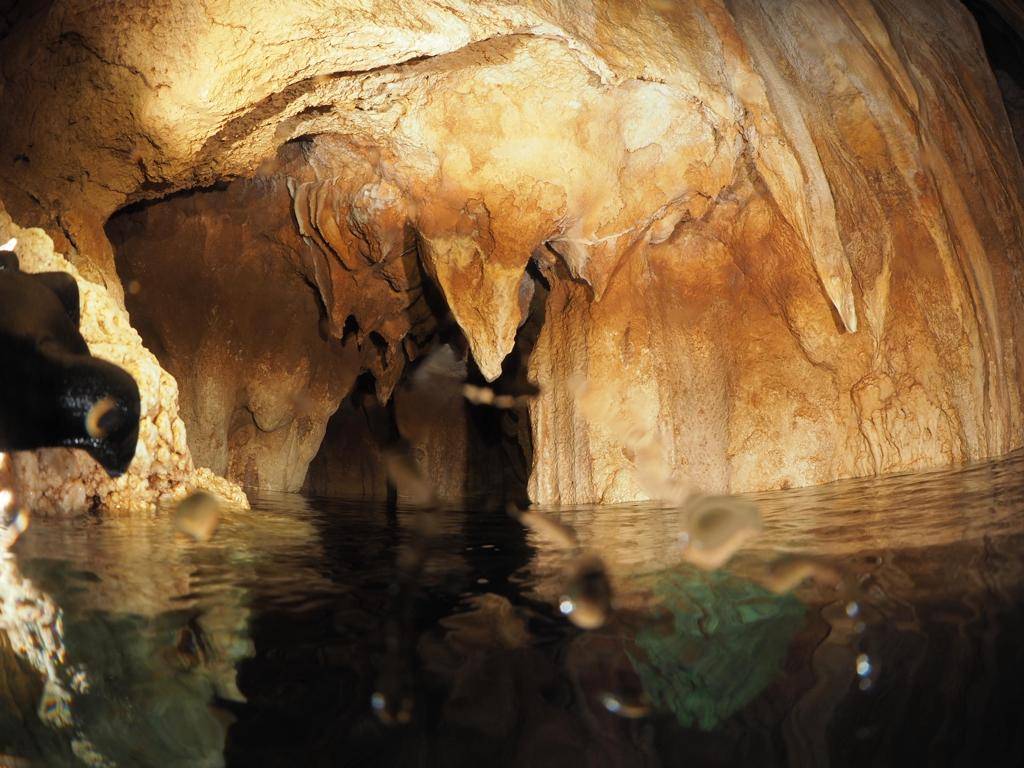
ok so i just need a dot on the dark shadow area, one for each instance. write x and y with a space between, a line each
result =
17 12
300 635
1001 24
211 285
745 677
505 434
313 680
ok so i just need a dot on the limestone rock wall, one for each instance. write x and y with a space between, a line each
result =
64 481
781 242
717 341
290 289
238 327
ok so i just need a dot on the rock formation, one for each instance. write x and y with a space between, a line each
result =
61 480
774 244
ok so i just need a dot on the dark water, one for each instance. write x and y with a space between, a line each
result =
312 632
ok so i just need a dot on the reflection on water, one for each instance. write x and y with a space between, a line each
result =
868 623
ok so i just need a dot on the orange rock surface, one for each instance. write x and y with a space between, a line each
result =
778 244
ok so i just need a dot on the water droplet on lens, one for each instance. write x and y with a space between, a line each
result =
55 705
611 703
405 473
15 525
588 598
197 516
79 681
555 532
20 521
718 527
789 572
627 709
863 665
387 712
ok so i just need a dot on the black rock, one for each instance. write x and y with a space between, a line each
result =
53 393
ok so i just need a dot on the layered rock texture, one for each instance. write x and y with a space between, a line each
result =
738 244
61 480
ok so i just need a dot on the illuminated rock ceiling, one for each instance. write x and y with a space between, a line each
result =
782 242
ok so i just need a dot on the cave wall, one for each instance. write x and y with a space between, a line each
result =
782 242
739 371
266 321
211 288
244 310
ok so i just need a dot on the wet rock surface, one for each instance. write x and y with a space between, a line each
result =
781 258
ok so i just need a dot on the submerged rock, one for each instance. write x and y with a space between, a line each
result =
729 639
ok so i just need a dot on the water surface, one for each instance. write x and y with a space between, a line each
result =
321 632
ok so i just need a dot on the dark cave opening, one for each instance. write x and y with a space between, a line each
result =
1002 33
